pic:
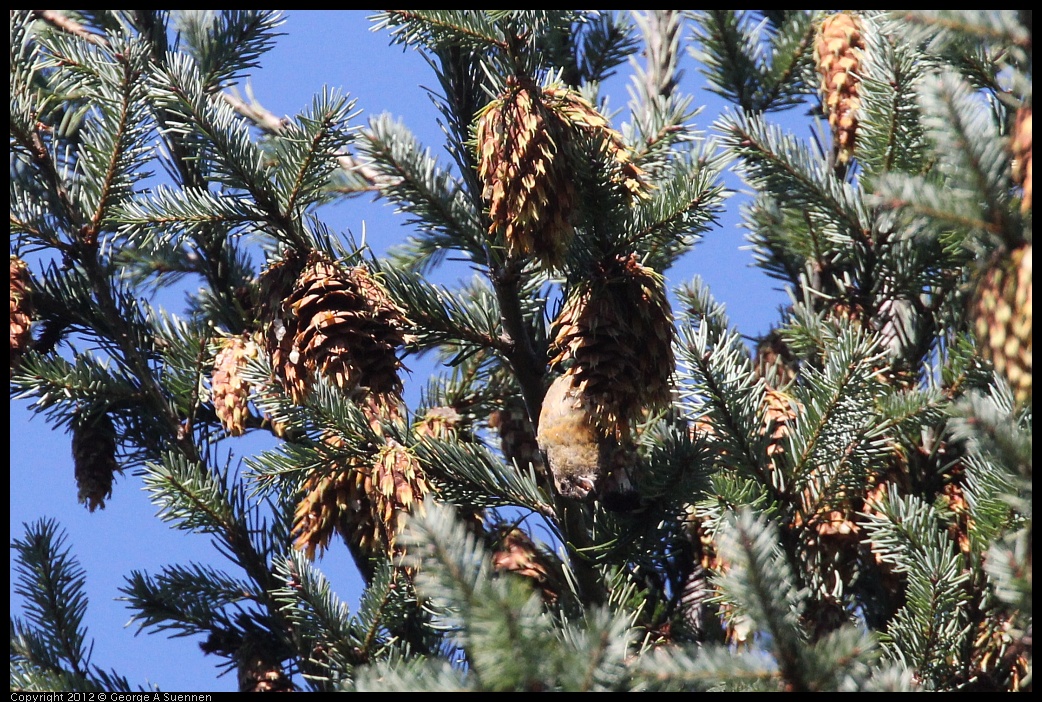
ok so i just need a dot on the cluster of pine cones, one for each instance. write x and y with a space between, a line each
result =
323 318
613 337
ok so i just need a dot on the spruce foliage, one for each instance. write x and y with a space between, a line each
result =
843 504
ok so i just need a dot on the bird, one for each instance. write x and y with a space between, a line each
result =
575 450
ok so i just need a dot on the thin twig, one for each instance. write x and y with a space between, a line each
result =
56 19
268 122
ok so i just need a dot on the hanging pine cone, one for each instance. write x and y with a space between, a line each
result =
396 486
1020 144
696 589
438 422
527 182
1001 311
341 324
584 118
838 50
523 139
1000 654
94 458
258 667
774 361
228 391
365 500
875 496
779 414
825 510
276 282
516 434
961 524
615 334
328 499
515 552
21 311
258 676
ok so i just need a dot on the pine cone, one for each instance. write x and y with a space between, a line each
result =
953 497
838 52
616 331
516 434
779 413
775 362
824 509
396 486
527 182
258 667
1020 144
515 552
259 676
523 139
439 423
696 588
584 118
365 500
329 498
228 391
342 324
94 458
1000 655
276 282
21 311
1001 310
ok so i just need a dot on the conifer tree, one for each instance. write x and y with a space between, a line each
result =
605 486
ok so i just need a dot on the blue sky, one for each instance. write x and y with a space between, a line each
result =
337 49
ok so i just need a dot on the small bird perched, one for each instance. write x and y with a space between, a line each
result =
576 452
